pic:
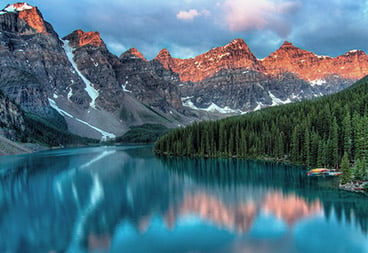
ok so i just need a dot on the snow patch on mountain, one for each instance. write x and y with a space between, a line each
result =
17 7
105 135
60 111
186 101
317 82
92 92
124 87
259 106
277 101
70 93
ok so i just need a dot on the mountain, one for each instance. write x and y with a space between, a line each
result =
232 56
230 79
74 83
78 81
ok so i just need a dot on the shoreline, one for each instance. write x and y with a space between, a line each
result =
355 186
9 147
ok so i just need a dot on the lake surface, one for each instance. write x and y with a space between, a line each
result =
124 199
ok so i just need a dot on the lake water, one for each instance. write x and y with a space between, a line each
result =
124 199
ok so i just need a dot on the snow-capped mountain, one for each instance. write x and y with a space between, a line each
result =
232 79
101 95
79 79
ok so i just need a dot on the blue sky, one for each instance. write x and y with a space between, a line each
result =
190 27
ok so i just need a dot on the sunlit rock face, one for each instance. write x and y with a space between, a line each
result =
28 19
234 55
133 53
230 79
311 67
79 38
288 58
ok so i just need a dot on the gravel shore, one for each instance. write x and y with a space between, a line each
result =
8 147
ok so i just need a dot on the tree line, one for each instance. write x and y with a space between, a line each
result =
314 133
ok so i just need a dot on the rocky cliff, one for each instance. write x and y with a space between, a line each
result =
315 68
230 79
12 122
78 79
231 56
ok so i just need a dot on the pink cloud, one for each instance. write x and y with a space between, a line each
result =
245 15
191 14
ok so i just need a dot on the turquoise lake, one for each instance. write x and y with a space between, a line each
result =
125 199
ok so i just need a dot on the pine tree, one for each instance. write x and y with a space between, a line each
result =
360 170
345 169
346 126
307 145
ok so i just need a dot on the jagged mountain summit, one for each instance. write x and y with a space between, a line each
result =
76 80
230 79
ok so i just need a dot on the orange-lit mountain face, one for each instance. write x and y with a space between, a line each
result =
133 53
234 55
309 66
29 15
288 58
80 38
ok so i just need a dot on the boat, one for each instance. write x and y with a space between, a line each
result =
323 172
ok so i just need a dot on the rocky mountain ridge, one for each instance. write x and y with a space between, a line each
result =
230 79
76 82
288 58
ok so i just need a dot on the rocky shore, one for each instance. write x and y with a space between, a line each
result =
356 186
8 147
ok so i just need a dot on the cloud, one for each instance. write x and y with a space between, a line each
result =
249 15
191 14
187 15
115 46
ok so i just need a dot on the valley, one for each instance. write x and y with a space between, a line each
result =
75 84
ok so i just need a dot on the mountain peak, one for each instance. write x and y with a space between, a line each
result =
28 14
17 7
163 53
237 44
165 58
133 53
355 52
287 46
79 38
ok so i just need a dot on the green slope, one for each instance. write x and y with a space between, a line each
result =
314 133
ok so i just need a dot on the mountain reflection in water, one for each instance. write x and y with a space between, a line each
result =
123 199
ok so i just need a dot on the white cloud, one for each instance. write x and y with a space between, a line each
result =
247 15
191 14
187 15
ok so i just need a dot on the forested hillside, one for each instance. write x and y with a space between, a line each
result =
313 133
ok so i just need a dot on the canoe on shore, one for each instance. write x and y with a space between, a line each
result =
323 172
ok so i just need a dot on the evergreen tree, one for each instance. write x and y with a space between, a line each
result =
306 132
346 124
307 148
345 169
360 170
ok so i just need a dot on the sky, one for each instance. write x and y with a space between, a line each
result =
190 27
